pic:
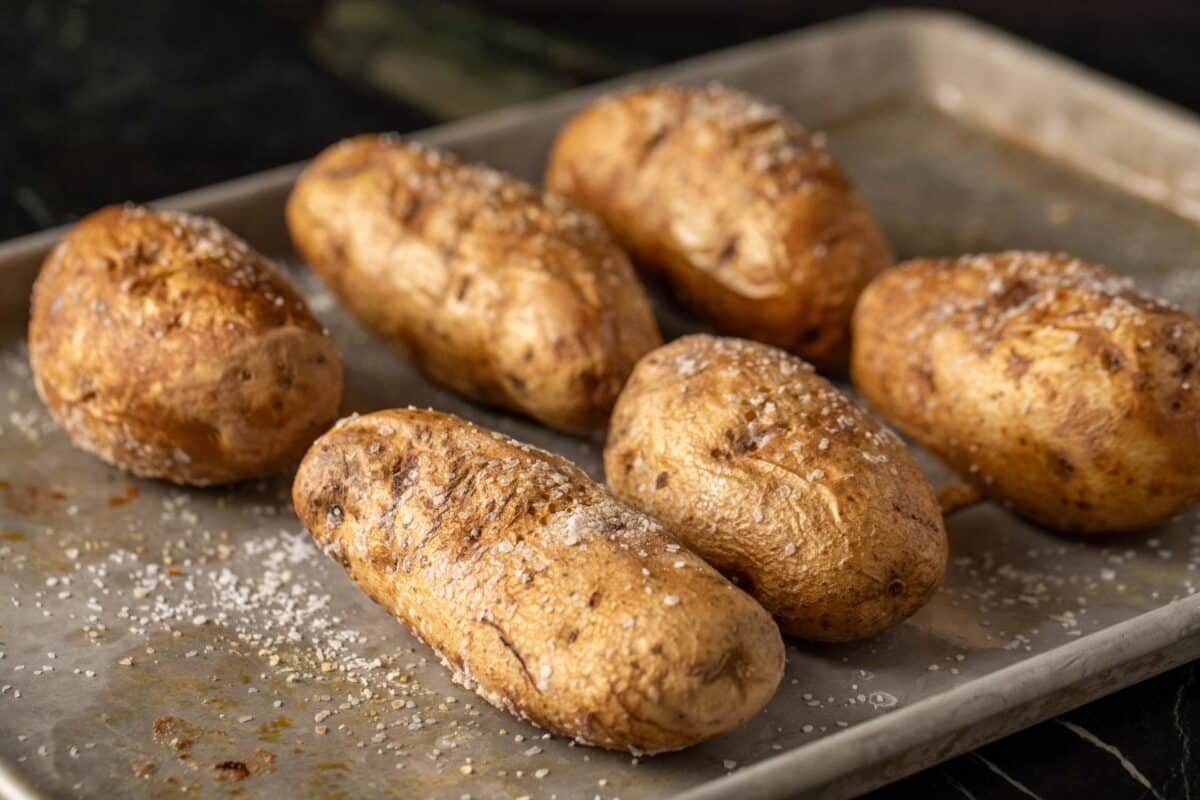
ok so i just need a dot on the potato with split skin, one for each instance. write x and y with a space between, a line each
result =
779 481
1049 383
540 590
508 295
166 346
744 213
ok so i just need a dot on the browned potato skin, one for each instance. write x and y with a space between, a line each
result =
167 347
507 295
777 479
749 219
540 590
1049 383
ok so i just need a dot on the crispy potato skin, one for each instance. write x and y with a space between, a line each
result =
1049 383
509 296
538 588
777 479
166 346
743 212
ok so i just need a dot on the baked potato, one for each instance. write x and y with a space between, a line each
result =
505 294
778 480
166 346
744 213
1049 383
540 591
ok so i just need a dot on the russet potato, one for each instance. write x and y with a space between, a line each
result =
508 295
540 590
745 214
1049 383
166 346
781 482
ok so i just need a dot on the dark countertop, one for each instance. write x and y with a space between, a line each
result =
108 101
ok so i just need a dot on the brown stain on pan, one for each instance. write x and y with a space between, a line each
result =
131 494
206 748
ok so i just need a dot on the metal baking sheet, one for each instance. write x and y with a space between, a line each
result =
154 639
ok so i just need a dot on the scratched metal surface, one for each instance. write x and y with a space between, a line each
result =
155 639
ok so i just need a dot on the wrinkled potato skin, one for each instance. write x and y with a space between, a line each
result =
1049 383
503 293
777 479
540 590
167 347
747 217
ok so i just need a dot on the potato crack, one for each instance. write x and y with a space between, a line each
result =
630 711
917 518
651 144
729 665
512 649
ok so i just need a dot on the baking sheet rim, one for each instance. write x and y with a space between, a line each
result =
836 755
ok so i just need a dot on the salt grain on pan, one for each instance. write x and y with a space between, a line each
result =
671 600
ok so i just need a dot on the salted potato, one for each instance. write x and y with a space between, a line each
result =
507 295
744 213
540 590
1049 383
778 480
165 345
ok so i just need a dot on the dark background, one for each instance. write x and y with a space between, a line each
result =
107 101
